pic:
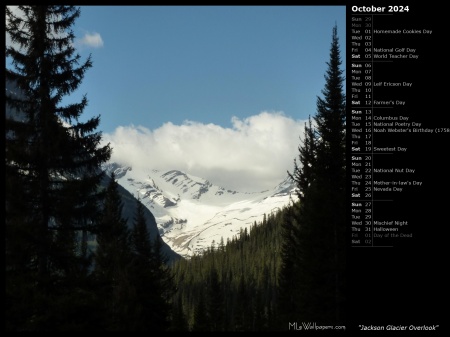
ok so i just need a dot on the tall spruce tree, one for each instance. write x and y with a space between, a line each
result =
179 321
313 254
52 164
113 258
164 287
215 301
202 322
150 278
141 273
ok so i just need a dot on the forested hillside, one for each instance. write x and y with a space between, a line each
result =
233 286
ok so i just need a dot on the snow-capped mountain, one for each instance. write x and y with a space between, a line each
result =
191 212
129 203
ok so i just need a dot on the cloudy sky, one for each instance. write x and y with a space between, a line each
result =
220 92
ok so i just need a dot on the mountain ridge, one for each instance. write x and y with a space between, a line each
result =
129 203
191 212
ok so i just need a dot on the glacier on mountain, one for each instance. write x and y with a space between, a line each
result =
192 213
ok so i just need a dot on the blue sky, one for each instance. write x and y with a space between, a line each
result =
220 92
153 64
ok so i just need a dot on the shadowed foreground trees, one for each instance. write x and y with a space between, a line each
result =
52 164
313 268
131 274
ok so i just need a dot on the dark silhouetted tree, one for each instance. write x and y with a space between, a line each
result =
151 278
113 258
164 287
216 301
313 266
52 171
201 319
179 320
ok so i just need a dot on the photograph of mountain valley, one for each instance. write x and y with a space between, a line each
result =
175 168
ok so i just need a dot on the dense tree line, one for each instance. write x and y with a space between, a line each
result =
232 286
73 264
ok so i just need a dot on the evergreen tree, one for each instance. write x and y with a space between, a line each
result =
164 289
303 174
150 277
215 301
242 309
52 170
142 247
313 263
290 278
201 319
259 316
331 163
142 275
113 263
179 321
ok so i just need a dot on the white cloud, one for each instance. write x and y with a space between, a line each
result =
254 155
91 40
